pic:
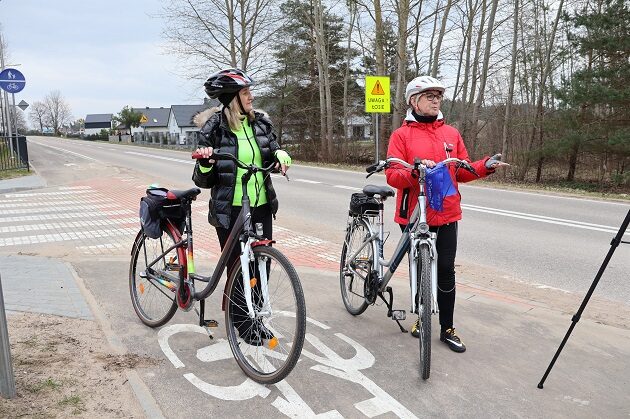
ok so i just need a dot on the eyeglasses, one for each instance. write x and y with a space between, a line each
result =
431 97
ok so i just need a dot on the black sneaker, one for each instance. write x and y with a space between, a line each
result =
452 340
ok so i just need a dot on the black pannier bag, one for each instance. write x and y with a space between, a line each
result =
360 203
156 208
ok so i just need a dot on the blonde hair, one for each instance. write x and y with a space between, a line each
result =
234 116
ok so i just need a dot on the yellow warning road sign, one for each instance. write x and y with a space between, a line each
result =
377 95
143 119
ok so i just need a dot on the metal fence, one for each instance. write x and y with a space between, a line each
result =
13 153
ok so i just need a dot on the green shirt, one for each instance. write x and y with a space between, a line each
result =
249 152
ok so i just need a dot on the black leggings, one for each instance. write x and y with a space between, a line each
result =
446 250
261 214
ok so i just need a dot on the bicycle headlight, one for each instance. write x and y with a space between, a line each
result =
423 228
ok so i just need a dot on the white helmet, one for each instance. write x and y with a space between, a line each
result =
420 84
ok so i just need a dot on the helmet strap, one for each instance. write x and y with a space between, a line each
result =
238 98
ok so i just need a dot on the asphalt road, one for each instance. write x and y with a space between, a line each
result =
536 238
351 366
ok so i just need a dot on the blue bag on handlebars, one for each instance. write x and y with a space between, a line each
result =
439 185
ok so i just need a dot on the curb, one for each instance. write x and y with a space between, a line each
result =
143 395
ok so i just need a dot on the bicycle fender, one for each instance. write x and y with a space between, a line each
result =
263 243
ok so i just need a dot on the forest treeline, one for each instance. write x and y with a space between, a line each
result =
543 82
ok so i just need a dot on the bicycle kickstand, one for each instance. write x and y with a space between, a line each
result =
396 315
206 324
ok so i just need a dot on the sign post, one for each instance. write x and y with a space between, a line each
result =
12 81
7 381
377 100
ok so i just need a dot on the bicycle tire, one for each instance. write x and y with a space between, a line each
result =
274 357
424 311
353 283
153 302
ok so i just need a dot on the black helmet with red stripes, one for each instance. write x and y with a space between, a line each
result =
225 84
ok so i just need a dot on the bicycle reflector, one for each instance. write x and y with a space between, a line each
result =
439 186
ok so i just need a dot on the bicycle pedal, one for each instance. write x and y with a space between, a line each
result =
210 323
399 315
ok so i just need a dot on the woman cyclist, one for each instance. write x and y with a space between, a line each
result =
238 129
424 134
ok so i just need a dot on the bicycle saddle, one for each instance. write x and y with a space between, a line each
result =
382 191
189 194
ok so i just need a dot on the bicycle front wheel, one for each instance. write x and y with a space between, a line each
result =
154 301
268 346
355 271
424 311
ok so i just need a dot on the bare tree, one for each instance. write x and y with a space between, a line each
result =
402 11
352 10
222 33
438 46
37 115
20 120
57 111
484 76
510 98
545 71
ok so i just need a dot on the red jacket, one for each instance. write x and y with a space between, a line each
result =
428 141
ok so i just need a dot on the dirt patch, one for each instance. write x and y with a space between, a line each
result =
598 309
62 368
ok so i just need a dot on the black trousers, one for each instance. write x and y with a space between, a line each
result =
261 214
446 249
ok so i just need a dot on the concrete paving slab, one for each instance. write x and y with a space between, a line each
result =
22 183
41 285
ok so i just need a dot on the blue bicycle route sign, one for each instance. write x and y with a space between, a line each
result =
11 80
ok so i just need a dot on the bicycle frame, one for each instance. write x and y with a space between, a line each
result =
415 236
243 233
409 243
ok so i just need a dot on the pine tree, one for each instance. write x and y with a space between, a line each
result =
597 97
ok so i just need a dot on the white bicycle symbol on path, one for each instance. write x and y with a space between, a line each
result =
292 405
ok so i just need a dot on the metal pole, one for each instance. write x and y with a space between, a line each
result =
6 98
15 125
2 124
376 137
7 380
15 139
576 317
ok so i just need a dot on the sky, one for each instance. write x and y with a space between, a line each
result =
101 55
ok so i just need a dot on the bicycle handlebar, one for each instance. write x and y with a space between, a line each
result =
384 164
218 155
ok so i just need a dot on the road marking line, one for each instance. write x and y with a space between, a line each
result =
352 188
57 209
35 194
306 181
51 238
543 219
65 215
160 157
69 224
67 151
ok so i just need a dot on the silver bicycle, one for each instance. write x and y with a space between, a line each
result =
362 272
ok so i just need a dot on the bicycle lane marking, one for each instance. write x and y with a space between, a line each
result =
292 404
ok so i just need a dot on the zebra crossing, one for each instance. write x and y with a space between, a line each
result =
99 217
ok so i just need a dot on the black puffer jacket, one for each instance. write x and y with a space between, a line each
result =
216 133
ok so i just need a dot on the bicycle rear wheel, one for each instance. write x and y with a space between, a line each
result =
353 273
268 346
154 301
424 311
